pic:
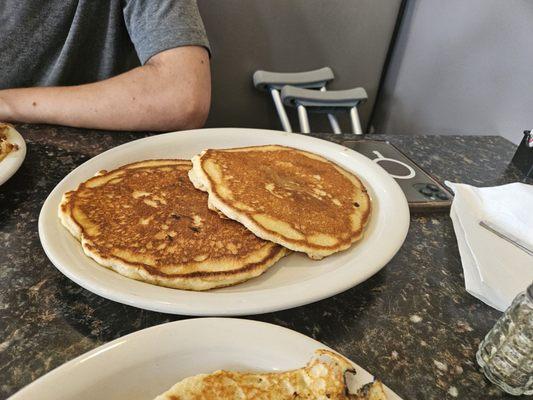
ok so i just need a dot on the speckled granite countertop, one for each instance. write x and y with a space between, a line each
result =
412 324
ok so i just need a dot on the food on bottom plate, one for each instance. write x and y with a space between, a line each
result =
146 221
5 146
291 197
324 377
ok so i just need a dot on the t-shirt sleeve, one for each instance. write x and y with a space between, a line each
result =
158 25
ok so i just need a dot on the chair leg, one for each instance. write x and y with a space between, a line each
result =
285 123
332 119
334 124
304 121
356 125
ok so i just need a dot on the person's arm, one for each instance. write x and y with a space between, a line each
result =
172 91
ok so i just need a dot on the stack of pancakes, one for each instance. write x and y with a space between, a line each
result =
152 220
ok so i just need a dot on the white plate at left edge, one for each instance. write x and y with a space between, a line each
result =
293 281
13 161
146 363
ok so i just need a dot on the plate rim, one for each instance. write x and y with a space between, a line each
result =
171 327
15 158
243 307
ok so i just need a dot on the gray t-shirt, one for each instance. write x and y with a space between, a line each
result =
68 42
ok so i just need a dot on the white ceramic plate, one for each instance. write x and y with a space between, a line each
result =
146 363
294 281
13 161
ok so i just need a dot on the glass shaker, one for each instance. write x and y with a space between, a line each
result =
506 353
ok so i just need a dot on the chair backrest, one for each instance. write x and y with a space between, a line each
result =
351 36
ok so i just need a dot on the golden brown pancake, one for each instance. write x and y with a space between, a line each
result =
289 196
146 221
324 377
5 146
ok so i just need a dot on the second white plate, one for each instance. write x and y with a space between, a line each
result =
13 161
294 281
146 363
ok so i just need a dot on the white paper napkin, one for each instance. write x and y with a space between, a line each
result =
495 270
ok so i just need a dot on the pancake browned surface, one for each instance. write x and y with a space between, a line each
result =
324 377
5 146
289 196
146 221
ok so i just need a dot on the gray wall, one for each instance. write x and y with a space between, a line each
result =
350 36
461 67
